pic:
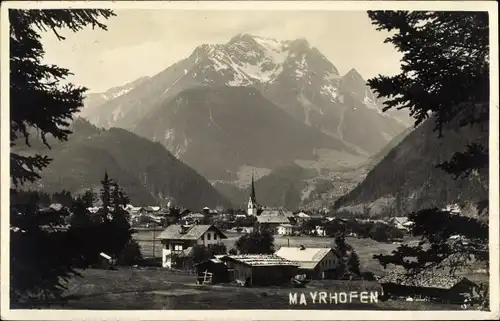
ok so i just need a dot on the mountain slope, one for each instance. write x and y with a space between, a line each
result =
146 170
218 129
283 187
292 74
93 101
406 179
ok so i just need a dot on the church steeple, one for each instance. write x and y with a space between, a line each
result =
252 202
252 195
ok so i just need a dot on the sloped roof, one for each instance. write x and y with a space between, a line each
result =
303 215
270 212
194 215
276 219
259 260
306 258
277 212
399 219
195 232
439 281
286 225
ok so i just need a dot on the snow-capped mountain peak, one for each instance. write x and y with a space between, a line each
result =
250 60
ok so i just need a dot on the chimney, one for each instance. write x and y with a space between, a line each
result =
302 247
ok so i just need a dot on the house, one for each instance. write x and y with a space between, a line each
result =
314 262
401 223
320 230
285 229
260 269
442 287
271 222
193 218
278 212
177 238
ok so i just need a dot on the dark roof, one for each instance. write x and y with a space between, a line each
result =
439 281
195 232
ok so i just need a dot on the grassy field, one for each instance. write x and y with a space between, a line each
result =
364 247
127 289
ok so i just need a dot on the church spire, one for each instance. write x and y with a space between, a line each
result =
252 195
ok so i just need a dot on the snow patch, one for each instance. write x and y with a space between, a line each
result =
169 135
120 93
185 71
273 49
329 91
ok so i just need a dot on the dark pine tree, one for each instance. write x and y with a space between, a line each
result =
444 77
106 195
353 264
41 259
89 198
120 235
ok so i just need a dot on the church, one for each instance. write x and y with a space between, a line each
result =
253 207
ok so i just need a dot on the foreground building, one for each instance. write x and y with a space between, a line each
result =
315 263
178 238
440 287
260 269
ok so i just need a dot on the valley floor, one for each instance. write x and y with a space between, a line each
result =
364 247
158 289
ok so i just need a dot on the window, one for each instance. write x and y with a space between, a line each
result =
215 237
208 236
177 247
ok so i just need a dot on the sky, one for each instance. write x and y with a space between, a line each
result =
144 42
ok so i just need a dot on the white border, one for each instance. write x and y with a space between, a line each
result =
490 6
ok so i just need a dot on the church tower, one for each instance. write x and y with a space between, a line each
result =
252 202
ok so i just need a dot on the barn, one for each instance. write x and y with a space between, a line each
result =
260 269
438 287
212 270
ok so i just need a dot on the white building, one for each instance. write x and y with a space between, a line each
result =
285 229
315 263
178 238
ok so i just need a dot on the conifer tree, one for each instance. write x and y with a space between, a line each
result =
89 198
444 78
38 101
41 261
105 196
353 264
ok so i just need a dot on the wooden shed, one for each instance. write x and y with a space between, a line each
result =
212 271
439 287
260 269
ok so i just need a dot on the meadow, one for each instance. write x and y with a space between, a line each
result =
160 289
364 247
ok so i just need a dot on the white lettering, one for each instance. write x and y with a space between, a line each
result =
374 297
303 299
313 296
322 297
352 295
343 297
333 298
292 298
364 297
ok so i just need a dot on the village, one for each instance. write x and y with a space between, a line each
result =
268 248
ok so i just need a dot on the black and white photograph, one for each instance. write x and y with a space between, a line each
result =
249 160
